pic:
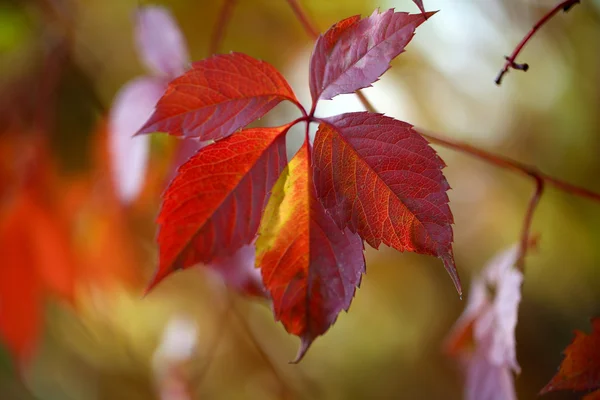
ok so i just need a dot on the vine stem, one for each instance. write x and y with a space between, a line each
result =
539 177
307 23
220 27
511 60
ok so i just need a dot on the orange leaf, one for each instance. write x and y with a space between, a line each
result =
580 369
310 267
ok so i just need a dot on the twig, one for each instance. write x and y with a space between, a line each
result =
215 342
525 233
261 351
220 27
510 60
306 22
512 165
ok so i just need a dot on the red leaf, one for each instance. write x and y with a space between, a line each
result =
380 178
353 54
20 294
309 266
218 96
592 396
213 206
580 369
36 261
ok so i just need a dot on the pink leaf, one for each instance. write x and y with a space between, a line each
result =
238 271
484 336
129 155
354 54
160 43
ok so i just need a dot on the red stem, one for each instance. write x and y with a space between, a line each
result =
512 165
219 30
510 60
306 22
525 233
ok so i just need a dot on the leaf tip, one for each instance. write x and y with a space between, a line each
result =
450 266
305 343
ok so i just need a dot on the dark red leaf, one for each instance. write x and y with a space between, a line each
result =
218 96
580 369
310 267
213 206
380 178
353 54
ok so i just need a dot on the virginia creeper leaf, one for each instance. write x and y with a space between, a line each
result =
310 267
380 178
159 41
580 369
483 338
129 155
213 206
218 96
353 54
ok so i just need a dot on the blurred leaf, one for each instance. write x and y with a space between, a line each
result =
580 369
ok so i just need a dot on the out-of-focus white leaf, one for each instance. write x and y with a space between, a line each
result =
129 155
485 333
179 341
160 43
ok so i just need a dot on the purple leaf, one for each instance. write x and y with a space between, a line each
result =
160 43
129 155
353 54
238 271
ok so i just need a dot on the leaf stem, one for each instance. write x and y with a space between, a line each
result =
220 27
525 233
306 22
510 60
286 388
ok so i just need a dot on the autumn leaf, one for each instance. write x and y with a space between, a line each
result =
310 267
580 369
483 338
213 206
163 50
354 53
218 96
381 179
36 263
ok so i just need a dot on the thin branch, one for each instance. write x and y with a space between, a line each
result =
220 27
512 165
215 342
510 60
306 22
286 388
525 233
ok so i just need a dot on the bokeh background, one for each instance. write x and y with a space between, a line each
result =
63 61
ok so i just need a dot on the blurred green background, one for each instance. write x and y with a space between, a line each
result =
390 343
